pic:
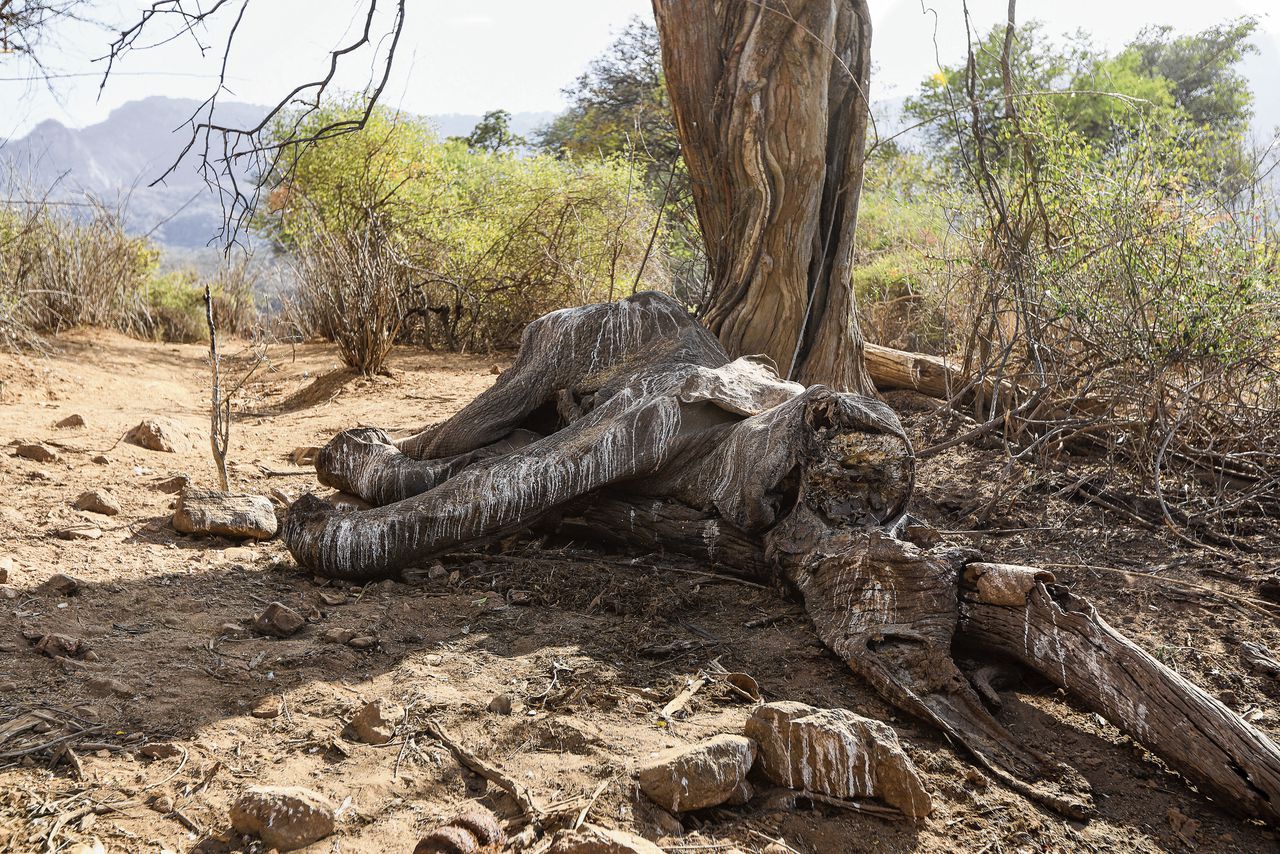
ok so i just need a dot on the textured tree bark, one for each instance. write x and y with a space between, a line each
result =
771 106
629 423
1061 636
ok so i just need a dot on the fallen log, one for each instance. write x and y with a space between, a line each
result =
627 423
1059 635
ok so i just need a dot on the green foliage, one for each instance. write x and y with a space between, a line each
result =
175 304
493 134
487 241
1187 80
620 105
620 109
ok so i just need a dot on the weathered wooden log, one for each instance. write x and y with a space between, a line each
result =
627 423
1018 611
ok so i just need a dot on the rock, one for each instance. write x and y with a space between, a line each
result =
338 598
6 565
102 459
98 501
7 592
591 839
495 369
474 831
79 532
60 583
210 512
520 598
159 434
501 704
70 421
374 723
285 818
363 642
337 635
172 485
837 753
437 571
698 776
106 687
279 620
36 451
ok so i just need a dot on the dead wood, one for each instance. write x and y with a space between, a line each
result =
1062 637
628 424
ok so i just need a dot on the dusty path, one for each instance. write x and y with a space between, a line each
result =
582 661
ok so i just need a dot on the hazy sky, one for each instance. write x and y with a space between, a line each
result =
472 56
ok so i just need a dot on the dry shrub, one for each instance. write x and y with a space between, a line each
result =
354 289
1121 327
58 271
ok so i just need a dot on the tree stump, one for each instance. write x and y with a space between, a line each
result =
628 422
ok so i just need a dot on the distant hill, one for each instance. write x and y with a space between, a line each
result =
116 159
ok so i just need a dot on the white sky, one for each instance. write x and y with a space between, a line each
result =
472 56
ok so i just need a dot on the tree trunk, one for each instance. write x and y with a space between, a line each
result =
771 107
627 422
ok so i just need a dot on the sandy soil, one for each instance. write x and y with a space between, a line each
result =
163 613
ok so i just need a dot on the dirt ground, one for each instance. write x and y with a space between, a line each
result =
165 616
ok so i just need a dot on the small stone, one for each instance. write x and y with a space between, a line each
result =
162 803
363 642
837 753
374 723
434 658
62 584
102 459
495 369
333 598
591 839
698 776
106 687
336 635
37 451
98 501
79 532
208 511
285 818
6 565
279 620
521 598
172 485
268 709
501 704
70 421
8 592
437 571
159 434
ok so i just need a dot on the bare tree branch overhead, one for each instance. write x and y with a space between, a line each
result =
233 159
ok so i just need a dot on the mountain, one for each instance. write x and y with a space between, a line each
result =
115 161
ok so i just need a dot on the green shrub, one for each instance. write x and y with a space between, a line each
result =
483 242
